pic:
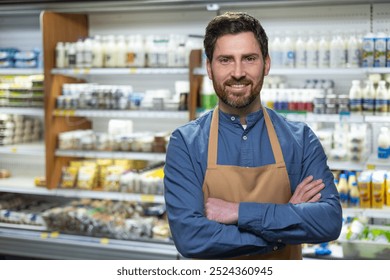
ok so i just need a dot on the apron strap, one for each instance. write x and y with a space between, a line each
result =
213 139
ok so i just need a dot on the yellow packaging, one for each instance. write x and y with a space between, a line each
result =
111 182
86 178
378 189
69 176
387 196
76 163
364 185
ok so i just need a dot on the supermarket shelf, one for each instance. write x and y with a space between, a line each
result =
115 155
39 112
374 162
377 119
382 213
330 118
29 149
315 71
75 72
21 71
49 245
128 114
26 186
346 165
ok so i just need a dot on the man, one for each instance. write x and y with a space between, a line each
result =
242 181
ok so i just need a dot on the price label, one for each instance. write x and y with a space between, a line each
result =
54 234
104 241
147 198
14 150
371 167
44 235
133 70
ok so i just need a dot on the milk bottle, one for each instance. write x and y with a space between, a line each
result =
97 52
276 52
354 198
384 143
381 99
323 52
369 98
337 52
312 52
288 49
60 55
79 53
355 97
121 53
343 190
353 52
300 47
88 52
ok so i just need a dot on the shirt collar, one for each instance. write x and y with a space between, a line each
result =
251 119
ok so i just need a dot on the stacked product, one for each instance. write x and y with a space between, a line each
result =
13 57
15 129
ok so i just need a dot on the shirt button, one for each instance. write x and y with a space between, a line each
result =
245 137
233 118
275 248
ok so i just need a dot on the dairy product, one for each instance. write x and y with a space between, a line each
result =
378 189
337 52
364 185
368 95
312 53
353 52
368 47
288 49
97 52
380 50
384 143
343 190
381 99
60 55
323 52
300 47
355 97
354 199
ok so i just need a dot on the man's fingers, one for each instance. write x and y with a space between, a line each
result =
315 198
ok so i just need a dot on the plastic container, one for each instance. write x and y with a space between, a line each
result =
383 143
355 97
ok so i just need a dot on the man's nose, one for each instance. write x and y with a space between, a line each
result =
238 71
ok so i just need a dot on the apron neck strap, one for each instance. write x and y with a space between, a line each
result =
213 139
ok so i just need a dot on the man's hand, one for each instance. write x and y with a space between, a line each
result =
307 191
221 211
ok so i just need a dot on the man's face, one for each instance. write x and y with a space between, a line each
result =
237 69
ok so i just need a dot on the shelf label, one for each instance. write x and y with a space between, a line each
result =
371 166
44 235
133 70
14 150
104 241
64 113
147 198
54 234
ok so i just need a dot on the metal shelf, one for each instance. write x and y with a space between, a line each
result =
21 71
76 72
115 155
25 185
346 165
373 162
128 114
29 149
39 112
49 245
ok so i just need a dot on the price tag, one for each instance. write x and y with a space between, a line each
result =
76 71
371 167
44 235
104 241
87 70
54 234
147 198
14 150
133 70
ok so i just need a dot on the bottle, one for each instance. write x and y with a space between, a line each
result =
139 51
353 52
343 190
355 97
337 52
276 52
368 96
323 53
72 55
80 53
368 47
121 52
97 52
388 55
354 196
300 47
88 53
288 49
60 55
381 99
380 50
384 143
312 53
110 52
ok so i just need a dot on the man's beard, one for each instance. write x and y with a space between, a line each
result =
241 102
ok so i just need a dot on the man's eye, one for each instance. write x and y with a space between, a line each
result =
250 58
224 60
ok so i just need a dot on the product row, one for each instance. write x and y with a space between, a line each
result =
14 58
127 51
334 50
97 218
15 129
113 175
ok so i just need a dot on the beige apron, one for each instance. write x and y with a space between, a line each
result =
266 184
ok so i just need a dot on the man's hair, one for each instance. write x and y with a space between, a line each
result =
234 23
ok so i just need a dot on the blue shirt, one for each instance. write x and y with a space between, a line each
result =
261 226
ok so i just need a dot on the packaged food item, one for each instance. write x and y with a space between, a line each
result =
4 173
378 189
86 178
112 179
69 176
364 185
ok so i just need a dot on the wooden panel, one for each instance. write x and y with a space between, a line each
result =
195 83
55 28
